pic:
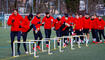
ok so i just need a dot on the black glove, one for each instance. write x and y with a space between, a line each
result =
20 26
13 21
38 22
42 24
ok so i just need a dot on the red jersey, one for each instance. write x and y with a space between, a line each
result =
36 21
25 24
17 22
48 22
101 24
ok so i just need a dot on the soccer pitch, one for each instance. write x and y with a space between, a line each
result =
93 52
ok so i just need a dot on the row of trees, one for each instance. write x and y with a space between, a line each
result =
70 6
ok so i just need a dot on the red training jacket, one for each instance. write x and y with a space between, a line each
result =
35 22
86 23
17 22
57 24
48 22
101 24
25 24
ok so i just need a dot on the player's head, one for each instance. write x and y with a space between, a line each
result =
15 11
70 14
92 17
47 14
30 16
80 15
77 16
95 16
86 15
66 15
38 14
59 17
99 17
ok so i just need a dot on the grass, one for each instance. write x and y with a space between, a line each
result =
93 52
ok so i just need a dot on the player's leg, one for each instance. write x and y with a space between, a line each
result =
24 35
48 34
97 38
93 35
35 36
58 34
18 38
12 36
82 40
40 38
102 32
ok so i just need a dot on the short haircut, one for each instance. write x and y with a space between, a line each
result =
47 13
15 9
37 13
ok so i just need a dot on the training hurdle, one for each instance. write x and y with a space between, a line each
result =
78 36
49 40
34 42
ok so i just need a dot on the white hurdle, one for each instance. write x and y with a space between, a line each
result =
49 40
79 40
34 42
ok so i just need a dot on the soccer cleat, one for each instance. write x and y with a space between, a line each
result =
73 34
38 47
26 52
34 49
47 45
82 41
98 42
104 41
64 45
93 41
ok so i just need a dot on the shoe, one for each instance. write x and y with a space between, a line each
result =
82 41
34 49
93 41
73 34
97 42
26 52
104 41
64 45
68 39
47 45
19 52
38 47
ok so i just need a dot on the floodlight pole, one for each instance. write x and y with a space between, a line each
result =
59 6
7 6
87 6
32 6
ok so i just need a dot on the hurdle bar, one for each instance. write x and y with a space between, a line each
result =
78 41
14 54
50 39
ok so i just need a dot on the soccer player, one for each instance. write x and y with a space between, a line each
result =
78 26
65 28
86 25
101 24
71 25
93 22
36 31
15 22
96 29
57 26
48 22
25 28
